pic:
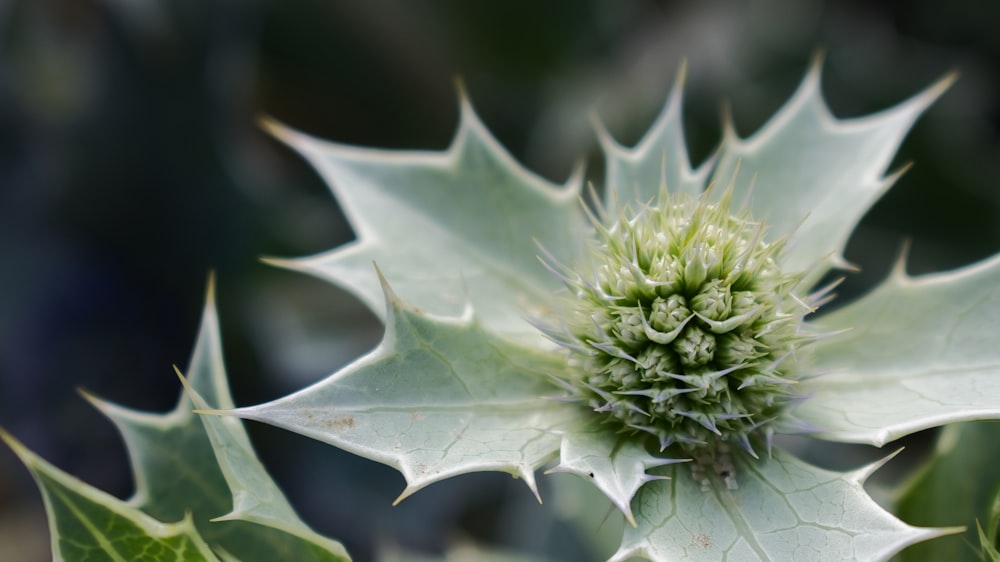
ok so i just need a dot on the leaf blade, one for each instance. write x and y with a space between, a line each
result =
450 228
438 398
809 173
85 521
617 466
634 175
784 509
189 464
914 353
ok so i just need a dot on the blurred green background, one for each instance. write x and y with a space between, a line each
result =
131 164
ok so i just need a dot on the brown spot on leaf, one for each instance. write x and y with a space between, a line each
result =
341 423
702 540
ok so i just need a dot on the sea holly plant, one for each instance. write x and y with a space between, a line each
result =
655 342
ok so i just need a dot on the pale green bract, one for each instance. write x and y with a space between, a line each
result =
461 381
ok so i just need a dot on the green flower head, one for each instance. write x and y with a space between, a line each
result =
682 324
681 320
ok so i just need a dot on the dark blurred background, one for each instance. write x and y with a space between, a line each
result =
131 164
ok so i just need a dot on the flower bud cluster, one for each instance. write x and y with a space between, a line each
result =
684 326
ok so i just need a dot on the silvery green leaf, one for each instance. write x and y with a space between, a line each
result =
784 509
812 176
204 465
613 463
439 397
448 228
634 175
914 353
88 524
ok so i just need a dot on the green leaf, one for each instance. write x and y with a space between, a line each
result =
88 524
993 521
914 353
955 487
449 228
205 466
439 397
813 176
784 509
989 549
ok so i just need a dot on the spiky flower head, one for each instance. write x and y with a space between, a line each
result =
681 324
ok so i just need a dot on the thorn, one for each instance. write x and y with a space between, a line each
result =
528 475
613 351
660 461
704 420
407 492
744 442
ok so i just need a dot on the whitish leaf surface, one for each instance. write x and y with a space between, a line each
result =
88 524
448 228
186 464
811 174
917 353
784 509
439 397
614 463
634 175
805 173
955 487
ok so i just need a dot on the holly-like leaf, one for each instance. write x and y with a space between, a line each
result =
614 463
185 463
954 488
784 509
810 174
634 175
88 524
915 353
448 228
439 397
805 173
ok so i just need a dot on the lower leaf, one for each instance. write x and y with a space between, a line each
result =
784 509
614 463
88 524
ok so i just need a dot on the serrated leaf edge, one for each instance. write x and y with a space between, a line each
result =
153 527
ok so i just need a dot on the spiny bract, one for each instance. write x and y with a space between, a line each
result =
682 324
